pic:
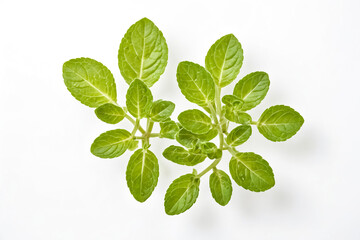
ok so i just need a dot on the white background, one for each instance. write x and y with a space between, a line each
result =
51 187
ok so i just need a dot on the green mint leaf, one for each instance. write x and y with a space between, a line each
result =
251 172
138 99
232 100
133 145
181 194
142 174
161 110
176 154
190 140
143 53
279 123
238 135
195 157
208 147
187 138
89 81
110 113
111 144
224 60
234 114
195 83
211 134
210 150
217 154
181 156
252 89
195 121
220 187
168 129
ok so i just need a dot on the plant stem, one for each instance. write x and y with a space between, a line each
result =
232 150
219 113
211 166
136 127
218 101
154 134
215 113
147 133
149 126
139 137
128 117
216 162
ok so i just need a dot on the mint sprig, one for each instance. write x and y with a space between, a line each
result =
142 59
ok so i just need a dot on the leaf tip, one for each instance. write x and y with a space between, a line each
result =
230 35
145 19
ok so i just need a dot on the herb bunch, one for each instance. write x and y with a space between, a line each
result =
142 59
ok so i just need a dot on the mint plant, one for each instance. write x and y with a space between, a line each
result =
142 59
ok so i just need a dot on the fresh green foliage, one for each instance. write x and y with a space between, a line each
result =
181 194
143 53
182 156
251 172
177 154
224 60
111 144
161 110
279 123
195 121
138 99
187 138
142 174
232 101
142 57
195 83
168 129
252 89
211 150
89 81
133 145
220 186
238 135
110 113
234 114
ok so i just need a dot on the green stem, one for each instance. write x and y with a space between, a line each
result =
218 126
128 117
219 113
211 166
136 127
139 137
218 101
147 133
149 126
232 150
215 113
254 122
154 134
